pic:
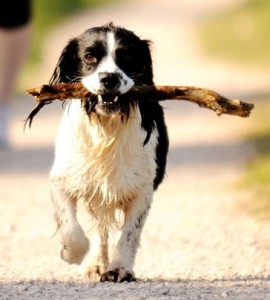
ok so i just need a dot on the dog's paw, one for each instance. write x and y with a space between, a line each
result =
75 253
118 275
93 273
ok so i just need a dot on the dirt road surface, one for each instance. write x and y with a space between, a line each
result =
198 242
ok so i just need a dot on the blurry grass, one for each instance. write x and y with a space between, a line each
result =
256 179
50 13
240 34
47 14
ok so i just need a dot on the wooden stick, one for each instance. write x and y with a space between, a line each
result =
60 91
203 97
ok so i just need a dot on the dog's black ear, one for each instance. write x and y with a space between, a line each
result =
69 64
147 61
67 69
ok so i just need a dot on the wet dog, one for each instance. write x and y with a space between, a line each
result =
111 154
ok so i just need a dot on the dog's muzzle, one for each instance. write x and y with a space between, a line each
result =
108 97
109 81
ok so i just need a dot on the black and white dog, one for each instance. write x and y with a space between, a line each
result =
112 155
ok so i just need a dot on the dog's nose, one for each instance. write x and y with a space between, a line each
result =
109 80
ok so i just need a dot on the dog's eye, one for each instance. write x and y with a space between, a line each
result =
90 58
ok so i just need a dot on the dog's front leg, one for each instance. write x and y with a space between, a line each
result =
100 257
121 267
75 243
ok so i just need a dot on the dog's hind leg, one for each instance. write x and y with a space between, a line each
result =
121 267
74 242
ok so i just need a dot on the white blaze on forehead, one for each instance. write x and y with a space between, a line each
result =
110 39
108 64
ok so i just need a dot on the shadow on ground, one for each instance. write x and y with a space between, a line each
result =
39 160
28 161
207 154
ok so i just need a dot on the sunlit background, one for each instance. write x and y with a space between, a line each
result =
222 45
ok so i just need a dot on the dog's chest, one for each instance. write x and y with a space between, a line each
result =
120 164
108 160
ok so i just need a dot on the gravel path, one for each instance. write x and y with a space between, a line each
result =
198 242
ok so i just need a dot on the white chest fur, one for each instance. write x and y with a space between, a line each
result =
103 161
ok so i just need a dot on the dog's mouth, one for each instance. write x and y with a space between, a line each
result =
108 104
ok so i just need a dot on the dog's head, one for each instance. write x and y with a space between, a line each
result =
109 61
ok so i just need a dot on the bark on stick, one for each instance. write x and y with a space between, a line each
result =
203 97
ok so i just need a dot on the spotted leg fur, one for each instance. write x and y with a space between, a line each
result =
121 267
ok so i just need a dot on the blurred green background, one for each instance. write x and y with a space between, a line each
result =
48 14
241 36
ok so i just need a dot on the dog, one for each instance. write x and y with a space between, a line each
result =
111 154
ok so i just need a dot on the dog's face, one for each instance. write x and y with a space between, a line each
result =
109 61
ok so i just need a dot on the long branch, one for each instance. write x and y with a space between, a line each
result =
203 97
